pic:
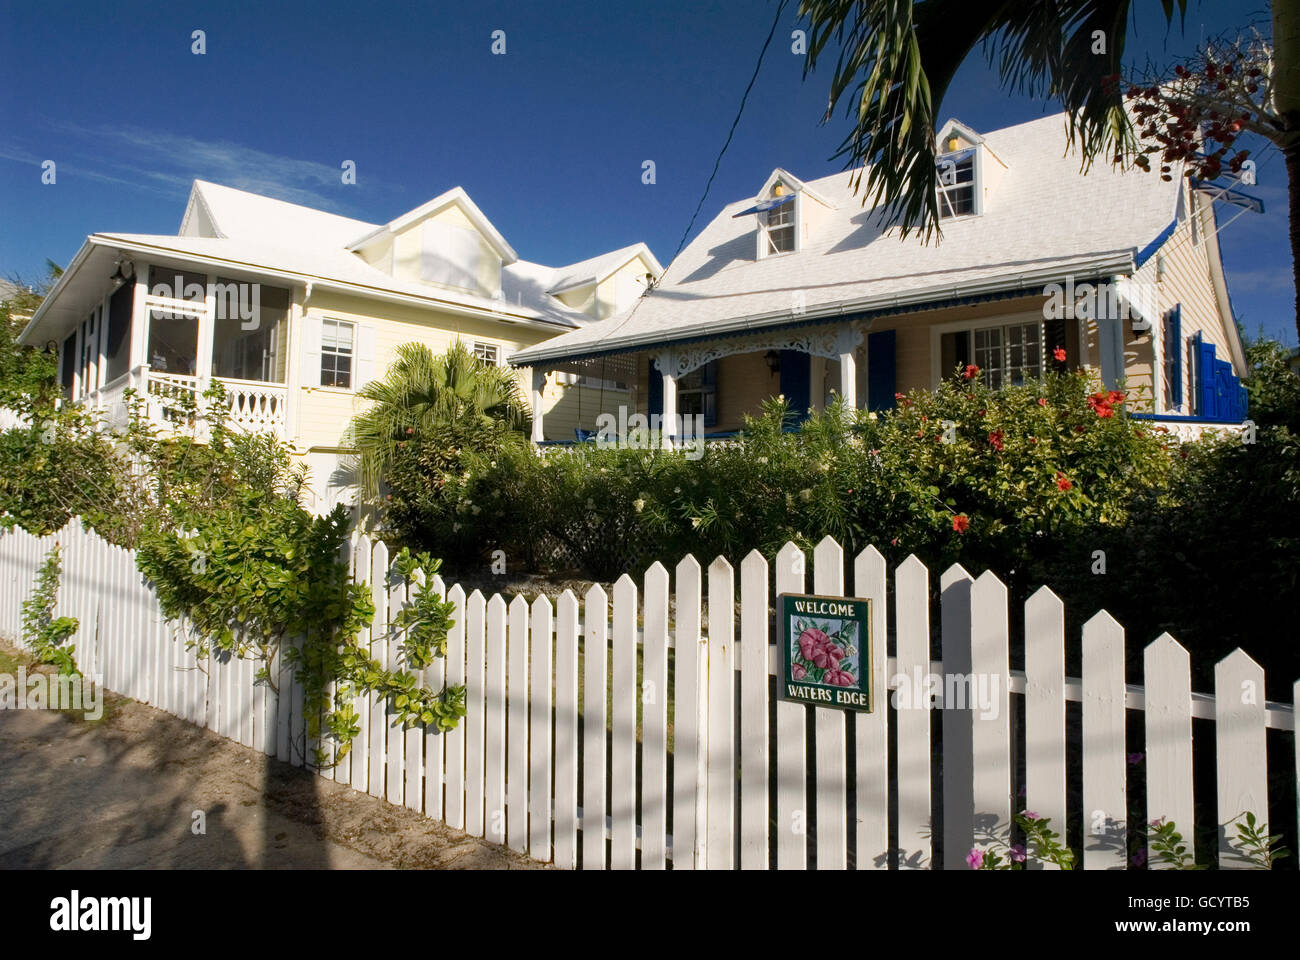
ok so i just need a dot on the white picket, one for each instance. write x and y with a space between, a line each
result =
390 597
566 730
871 730
1167 680
1045 777
453 747
688 738
753 711
539 739
1240 751
989 695
494 717
468 625
378 643
595 649
830 737
721 672
912 616
517 654
623 703
791 728
1104 757
354 769
423 747
654 724
958 724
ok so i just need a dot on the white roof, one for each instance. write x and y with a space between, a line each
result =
1044 219
598 268
231 229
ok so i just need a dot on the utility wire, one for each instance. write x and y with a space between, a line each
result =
734 123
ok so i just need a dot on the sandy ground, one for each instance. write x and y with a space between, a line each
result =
122 793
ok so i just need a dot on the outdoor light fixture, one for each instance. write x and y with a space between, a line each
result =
773 361
124 272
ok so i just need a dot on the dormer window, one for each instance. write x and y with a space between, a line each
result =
779 229
957 184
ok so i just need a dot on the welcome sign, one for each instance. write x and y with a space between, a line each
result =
825 645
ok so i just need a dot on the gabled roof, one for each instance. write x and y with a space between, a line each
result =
240 215
794 183
1046 219
225 229
596 269
456 196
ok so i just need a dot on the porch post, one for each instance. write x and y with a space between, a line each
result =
139 345
539 385
668 422
207 333
849 379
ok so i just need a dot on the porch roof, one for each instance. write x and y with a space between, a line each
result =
1043 220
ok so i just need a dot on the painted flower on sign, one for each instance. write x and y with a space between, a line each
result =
825 652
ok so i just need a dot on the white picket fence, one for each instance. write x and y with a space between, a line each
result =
559 776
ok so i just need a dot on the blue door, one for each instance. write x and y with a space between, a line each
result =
881 371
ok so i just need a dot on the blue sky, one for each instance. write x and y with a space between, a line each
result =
548 139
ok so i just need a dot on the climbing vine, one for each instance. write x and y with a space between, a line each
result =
252 574
44 633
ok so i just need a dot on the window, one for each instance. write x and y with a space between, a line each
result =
173 342
336 340
488 353
957 184
697 393
1009 354
779 222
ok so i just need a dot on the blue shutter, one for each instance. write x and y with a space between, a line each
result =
1207 399
710 393
1225 391
881 371
655 404
1174 355
796 381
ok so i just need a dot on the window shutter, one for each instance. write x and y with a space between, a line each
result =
310 351
1174 355
1207 396
365 355
881 372
796 381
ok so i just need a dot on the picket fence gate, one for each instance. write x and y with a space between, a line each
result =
523 768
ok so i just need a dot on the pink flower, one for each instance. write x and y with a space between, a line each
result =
798 672
811 641
1018 853
1031 815
839 678
975 858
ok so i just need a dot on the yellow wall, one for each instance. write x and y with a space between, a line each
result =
409 243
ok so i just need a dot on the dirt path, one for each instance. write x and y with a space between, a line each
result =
122 793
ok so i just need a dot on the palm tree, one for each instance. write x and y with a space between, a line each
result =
423 393
898 58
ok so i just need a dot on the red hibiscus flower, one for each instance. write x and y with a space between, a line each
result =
1042 401
971 371
1062 481
1115 397
961 523
838 678
810 641
898 396
1059 354
995 440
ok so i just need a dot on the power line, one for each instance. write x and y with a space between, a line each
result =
734 123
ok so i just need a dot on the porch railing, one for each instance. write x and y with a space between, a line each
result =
252 406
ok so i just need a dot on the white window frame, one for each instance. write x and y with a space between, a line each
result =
487 345
984 323
796 212
352 354
977 185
